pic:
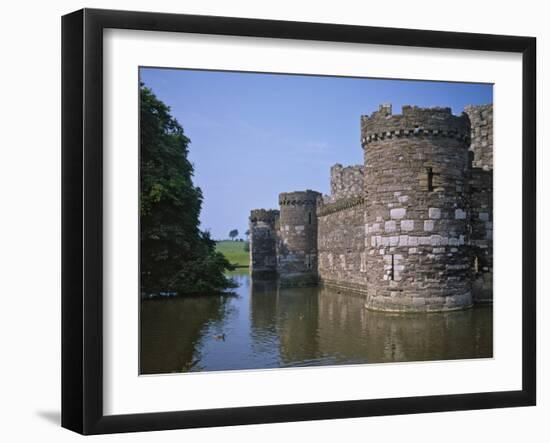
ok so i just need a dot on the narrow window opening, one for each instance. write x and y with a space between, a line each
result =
309 218
476 264
269 233
392 268
430 173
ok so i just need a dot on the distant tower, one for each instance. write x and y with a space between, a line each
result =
416 179
297 245
263 238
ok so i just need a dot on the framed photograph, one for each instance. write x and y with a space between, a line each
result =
269 221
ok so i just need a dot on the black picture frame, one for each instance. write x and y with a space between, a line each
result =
82 215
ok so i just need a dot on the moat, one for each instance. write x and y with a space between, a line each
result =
266 327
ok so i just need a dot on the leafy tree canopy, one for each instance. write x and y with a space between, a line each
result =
176 256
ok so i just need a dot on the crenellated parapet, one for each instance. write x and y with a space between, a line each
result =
339 205
299 198
264 215
413 122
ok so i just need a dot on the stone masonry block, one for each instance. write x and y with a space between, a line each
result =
398 213
407 225
434 213
390 226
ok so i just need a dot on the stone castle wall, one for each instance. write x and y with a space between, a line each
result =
481 194
481 237
341 237
341 244
481 119
416 168
410 229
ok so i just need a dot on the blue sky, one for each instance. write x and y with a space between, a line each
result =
256 135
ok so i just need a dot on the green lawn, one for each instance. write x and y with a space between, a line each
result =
234 252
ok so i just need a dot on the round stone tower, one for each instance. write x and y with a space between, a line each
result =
297 245
263 239
416 177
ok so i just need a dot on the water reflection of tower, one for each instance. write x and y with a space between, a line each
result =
263 314
343 326
356 334
298 324
286 318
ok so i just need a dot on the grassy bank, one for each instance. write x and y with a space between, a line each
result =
234 252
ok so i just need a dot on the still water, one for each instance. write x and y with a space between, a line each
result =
263 326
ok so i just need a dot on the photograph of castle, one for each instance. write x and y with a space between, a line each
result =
298 220
411 228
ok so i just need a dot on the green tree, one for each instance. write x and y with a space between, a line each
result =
233 233
176 255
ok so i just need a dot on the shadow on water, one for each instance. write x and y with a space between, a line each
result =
268 327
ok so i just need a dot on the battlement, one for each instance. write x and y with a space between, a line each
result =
413 121
484 112
339 205
264 215
298 198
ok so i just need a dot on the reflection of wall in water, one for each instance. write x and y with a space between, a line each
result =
289 315
297 324
349 330
263 314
